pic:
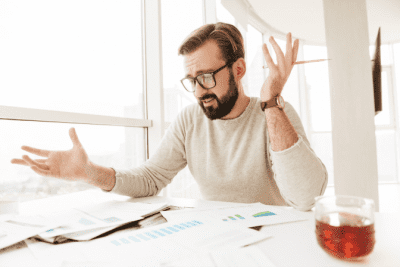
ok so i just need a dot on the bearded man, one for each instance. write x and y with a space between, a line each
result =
238 148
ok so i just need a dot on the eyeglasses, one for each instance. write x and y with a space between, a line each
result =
206 80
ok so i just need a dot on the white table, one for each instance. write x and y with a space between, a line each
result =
292 244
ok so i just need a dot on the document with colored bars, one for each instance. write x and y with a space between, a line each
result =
152 245
256 214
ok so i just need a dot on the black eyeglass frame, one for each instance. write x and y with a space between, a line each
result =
195 78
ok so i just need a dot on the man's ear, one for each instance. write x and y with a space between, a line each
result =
239 69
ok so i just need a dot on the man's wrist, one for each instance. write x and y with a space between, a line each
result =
267 97
100 176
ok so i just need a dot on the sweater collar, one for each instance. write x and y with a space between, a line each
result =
242 117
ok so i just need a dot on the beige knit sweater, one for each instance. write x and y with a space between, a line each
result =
231 160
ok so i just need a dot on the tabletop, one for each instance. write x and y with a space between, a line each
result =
291 244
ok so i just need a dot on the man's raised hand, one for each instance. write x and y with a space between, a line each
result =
280 72
72 164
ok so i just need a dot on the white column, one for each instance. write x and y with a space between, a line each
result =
352 100
303 93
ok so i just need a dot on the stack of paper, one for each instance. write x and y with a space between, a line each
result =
17 228
91 221
80 224
211 237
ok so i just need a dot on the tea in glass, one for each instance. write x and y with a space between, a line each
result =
345 226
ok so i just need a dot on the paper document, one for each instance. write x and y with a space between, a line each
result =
18 228
151 245
250 256
75 220
56 253
88 222
251 215
142 209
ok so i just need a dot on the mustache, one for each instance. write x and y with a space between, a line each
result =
207 97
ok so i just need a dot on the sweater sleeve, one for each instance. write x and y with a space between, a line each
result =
299 173
158 171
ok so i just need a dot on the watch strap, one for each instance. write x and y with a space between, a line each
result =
270 103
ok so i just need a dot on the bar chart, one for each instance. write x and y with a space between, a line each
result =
233 218
159 232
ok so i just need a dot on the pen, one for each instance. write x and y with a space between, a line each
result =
302 62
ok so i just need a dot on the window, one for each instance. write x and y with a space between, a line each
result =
318 91
396 84
386 155
385 133
396 97
63 63
223 15
317 81
254 61
119 147
174 32
75 56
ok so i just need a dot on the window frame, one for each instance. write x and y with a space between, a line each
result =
152 95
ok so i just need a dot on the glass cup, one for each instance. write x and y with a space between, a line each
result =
345 226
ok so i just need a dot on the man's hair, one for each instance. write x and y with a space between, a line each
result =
228 38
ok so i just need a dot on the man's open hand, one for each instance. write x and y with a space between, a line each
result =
280 72
72 164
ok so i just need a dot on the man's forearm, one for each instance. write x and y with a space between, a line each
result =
281 132
102 177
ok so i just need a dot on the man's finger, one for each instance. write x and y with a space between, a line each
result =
295 50
20 162
36 151
268 58
289 50
279 55
41 172
34 163
74 137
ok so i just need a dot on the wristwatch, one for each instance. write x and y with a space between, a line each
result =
277 101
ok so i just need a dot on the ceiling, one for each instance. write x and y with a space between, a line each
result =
305 18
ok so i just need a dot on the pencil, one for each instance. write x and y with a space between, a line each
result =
302 62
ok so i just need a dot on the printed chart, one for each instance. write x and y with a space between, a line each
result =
250 215
168 240
257 215
154 234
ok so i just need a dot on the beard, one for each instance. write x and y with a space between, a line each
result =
225 104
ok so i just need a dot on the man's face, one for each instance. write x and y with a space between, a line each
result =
224 95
